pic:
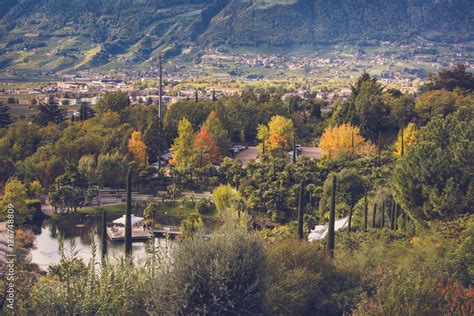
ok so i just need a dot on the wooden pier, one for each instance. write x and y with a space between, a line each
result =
138 234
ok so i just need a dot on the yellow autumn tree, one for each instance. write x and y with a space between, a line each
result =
283 127
137 147
277 136
183 146
410 134
342 141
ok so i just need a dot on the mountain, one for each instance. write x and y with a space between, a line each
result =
79 34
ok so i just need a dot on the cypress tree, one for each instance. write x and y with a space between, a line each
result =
366 211
379 148
332 218
395 217
392 216
300 211
50 112
128 215
383 214
294 146
349 226
374 214
104 234
353 143
196 96
403 144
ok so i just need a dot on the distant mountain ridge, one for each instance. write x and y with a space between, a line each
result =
57 34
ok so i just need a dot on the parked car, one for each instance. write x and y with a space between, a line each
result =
237 148
299 149
167 155
156 166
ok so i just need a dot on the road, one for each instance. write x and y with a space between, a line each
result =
252 152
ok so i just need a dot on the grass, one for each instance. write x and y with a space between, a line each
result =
94 210
88 55
176 209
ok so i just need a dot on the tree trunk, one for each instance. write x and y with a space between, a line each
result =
395 217
392 216
349 226
379 148
374 216
366 215
300 211
383 214
332 218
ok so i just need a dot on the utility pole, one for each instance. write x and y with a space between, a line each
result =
160 93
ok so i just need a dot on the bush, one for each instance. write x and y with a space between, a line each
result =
223 275
302 280
204 206
463 257
34 210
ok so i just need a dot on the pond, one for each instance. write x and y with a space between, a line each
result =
80 231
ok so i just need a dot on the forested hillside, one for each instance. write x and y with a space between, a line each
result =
88 33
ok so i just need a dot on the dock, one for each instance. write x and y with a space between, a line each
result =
138 234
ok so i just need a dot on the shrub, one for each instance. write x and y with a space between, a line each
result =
302 280
204 206
223 275
463 257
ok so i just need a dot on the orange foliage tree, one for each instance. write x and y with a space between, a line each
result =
206 148
137 147
344 140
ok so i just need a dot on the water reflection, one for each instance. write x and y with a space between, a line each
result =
82 232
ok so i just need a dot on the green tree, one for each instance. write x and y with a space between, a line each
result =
401 108
350 189
5 119
232 171
183 147
66 192
154 138
20 140
111 170
113 101
215 127
370 108
450 79
435 177
86 112
435 103
88 168
49 112
191 225
365 108
344 113
195 113
14 193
